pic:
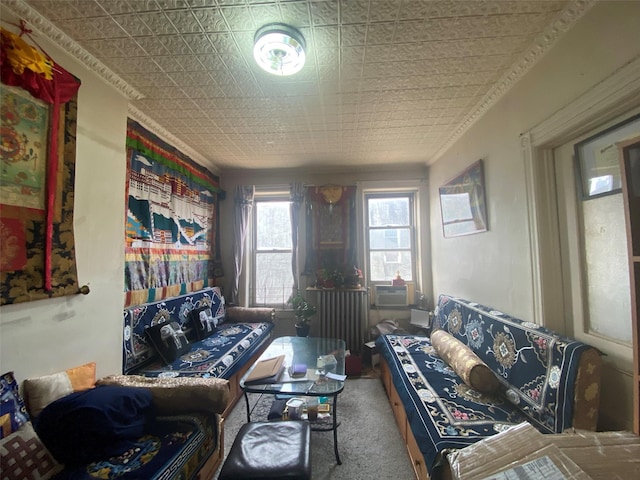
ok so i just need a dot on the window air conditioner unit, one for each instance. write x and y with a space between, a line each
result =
391 296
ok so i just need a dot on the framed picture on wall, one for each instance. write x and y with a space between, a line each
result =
462 203
597 162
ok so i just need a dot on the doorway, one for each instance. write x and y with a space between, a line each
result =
595 277
555 288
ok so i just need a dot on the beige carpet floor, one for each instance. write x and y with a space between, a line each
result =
369 442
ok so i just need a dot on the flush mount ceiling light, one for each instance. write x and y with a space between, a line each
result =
279 49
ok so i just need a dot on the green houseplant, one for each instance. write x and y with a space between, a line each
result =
303 311
330 278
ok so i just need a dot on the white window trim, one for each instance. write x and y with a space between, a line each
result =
411 189
261 195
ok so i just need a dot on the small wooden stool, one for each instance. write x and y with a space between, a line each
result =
269 450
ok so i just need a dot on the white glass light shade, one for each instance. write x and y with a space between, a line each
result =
279 49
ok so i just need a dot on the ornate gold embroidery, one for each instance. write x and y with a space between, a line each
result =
455 321
504 350
591 392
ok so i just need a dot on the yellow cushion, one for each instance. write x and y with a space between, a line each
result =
82 377
41 391
473 371
5 425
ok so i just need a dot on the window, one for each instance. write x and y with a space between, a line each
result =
272 280
390 235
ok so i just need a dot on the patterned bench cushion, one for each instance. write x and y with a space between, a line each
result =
173 447
219 355
537 367
540 374
442 410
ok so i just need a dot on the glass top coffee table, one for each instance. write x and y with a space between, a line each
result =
324 377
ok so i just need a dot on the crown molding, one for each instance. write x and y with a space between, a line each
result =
542 44
612 97
66 43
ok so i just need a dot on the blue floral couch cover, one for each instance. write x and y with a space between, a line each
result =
220 355
173 447
538 369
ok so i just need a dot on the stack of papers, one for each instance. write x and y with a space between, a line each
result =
266 371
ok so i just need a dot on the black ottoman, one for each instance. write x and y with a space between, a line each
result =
264 450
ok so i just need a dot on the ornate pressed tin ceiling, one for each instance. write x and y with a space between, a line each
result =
386 81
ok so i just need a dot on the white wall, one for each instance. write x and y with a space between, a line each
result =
494 268
45 336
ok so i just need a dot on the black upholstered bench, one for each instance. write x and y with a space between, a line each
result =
269 450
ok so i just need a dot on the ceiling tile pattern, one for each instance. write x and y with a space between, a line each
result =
386 81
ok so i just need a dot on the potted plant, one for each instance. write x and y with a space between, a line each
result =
330 278
303 310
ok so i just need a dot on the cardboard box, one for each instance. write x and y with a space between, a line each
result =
547 463
578 455
603 455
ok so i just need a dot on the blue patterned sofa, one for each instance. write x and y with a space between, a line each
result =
239 338
545 379
70 426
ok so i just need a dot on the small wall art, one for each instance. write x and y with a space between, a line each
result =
462 203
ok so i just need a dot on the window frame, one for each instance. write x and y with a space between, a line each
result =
265 197
412 196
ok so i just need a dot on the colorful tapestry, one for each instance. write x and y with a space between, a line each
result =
38 109
26 125
331 230
171 228
27 67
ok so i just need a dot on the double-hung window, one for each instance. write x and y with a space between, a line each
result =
271 278
390 231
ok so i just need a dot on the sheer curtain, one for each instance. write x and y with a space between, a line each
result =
296 197
241 217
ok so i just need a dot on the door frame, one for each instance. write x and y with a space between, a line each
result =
616 95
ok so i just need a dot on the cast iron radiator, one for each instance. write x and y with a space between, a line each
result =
344 314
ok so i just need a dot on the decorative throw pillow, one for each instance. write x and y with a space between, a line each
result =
41 391
95 424
13 412
169 340
473 371
24 456
203 321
